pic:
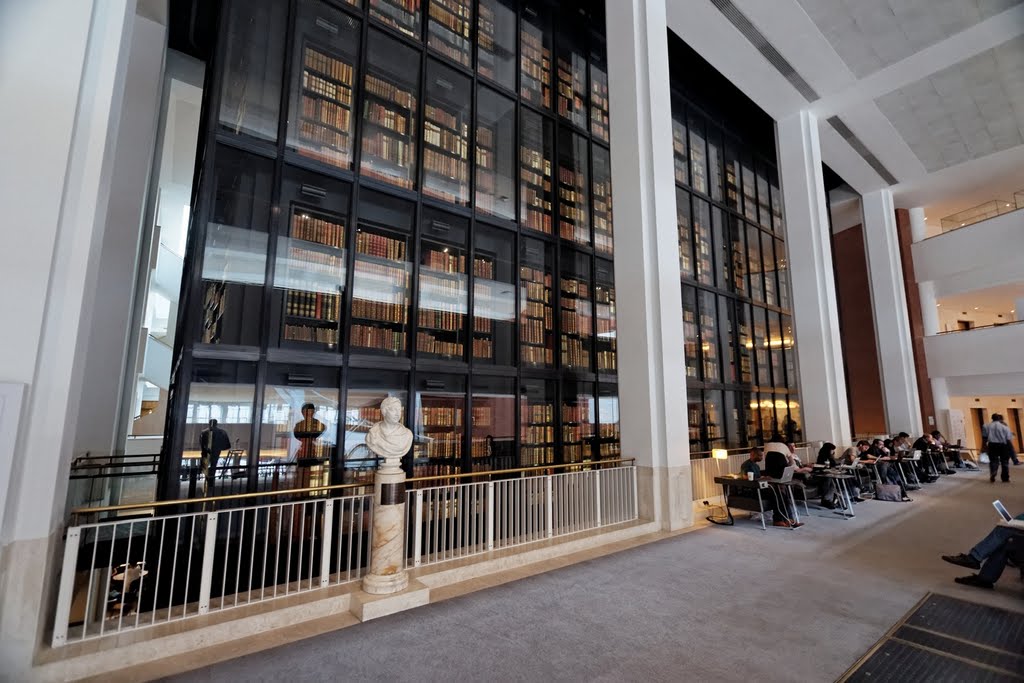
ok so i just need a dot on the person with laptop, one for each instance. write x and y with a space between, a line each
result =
997 438
1011 550
1008 527
929 449
886 474
772 496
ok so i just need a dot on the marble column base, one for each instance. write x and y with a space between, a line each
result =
387 552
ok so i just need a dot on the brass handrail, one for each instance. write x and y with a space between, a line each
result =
535 468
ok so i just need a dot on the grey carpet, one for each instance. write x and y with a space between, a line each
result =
718 604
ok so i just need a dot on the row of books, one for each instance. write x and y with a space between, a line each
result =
310 333
448 141
483 325
441 320
403 15
599 104
533 332
606 360
479 447
611 450
428 343
389 91
444 261
535 291
442 446
535 66
608 431
575 453
367 337
539 413
340 93
370 414
451 168
537 310
536 217
395 153
378 245
483 348
313 305
574 354
581 411
324 144
377 113
483 416
483 268
317 261
531 456
327 113
574 287
605 325
315 229
538 433
576 323
329 66
379 310
572 433
441 416
604 243
536 355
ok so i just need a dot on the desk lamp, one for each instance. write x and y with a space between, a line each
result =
718 514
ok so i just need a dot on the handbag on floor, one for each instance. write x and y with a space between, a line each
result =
888 492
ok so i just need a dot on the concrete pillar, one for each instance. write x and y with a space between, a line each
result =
652 371
892 320
815 309
940 396
63 63
1018 309
918 230
929 309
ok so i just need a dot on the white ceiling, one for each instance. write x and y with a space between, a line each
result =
1002 300
934 89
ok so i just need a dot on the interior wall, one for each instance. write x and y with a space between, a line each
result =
949 317
857 325
990 404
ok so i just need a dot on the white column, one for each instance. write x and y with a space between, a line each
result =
815 310
1018 308
892 321
652 371
63 65
918 229
940 399
929 310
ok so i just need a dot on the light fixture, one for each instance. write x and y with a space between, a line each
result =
720 454
975 308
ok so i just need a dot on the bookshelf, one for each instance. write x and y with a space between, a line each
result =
709 336
449 28
598 95
537 432
492 435
536 310
496 42
494 296
442 302
714 138
760 326
535 57
702 241
754 264
535 193
495 145
764 210
576 314
380 293
577 422
440 429
691 335
483 291
679 153
314 280
698 156
571 73
731 175
389 112
685 233
744 343
768 258
401 15
604 303
749 189
737 255
609 446
573 200
695 417
446 121
604 242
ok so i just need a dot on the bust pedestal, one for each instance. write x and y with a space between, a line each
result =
387 560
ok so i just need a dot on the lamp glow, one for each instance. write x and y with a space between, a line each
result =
720 454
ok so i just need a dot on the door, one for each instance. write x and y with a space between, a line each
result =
978 419
1013 421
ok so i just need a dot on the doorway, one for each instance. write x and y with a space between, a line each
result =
977 421
1013 420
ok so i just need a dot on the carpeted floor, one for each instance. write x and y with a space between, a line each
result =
718 604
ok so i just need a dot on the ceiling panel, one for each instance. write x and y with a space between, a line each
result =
871 34
964 112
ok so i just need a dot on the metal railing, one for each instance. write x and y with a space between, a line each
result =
982 212
120 575
458 520
979 327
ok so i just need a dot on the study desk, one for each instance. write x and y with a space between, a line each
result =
730 481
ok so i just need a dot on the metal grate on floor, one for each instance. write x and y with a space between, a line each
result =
947 639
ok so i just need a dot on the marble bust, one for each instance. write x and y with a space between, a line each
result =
389 438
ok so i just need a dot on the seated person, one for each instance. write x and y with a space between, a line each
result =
772 498
886 474
930 450
973 558
952 451
1011 550
826 457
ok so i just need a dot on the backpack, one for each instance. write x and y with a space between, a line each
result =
888 492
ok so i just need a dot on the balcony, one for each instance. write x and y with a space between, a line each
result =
983 360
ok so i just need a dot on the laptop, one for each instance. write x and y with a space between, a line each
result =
787 475
1005 515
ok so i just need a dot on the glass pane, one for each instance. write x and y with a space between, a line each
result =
764 210
709 337
782 270
573 183
695 420
578 418
495 154
776 199
686 266
714 427
606 333
749 190
598 94
443 287
734 438
608 430
768 258
769 425
726 327
679 146
698 155
794 428
764 377
536 313
535 56
535 152
745 343
380 285
449 27
327 51
738 256
537 422
299 436
789 349
702 239
715 163
691 336
753 413
493 424
310 270
440 425
403 15
572 81
218 428
775 344
577 313
389 110
251 95
603 240
496 42
722 246
366 390
446 135
235 253
754 265
494 296
732 175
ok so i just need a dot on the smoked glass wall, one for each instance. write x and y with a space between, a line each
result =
408 198
739 348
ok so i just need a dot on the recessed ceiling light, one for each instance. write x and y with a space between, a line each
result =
975 308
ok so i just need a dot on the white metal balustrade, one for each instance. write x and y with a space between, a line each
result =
129 574
460 520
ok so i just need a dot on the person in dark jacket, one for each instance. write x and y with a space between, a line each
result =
212 441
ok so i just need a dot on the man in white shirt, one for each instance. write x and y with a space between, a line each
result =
997 440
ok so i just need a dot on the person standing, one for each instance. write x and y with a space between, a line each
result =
212 441
996 439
